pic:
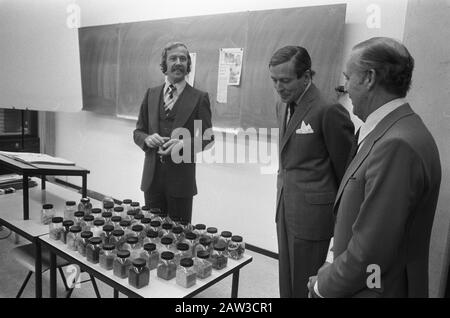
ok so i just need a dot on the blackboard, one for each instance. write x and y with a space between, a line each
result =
119 62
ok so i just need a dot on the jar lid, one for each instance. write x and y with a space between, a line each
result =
123 253
167 255
176 219
75 229
134 204
145 208
125 223
86 234
149 247
166 240
132 212
139 216
205 241
132 240
191 236
177 230
146 220
167 226
108 205
68 223
108 228
182 246
57 219
70 203
126 201
85 200
96 210
107 214
88 218
108 247
118 209
95 240
79 214
152 234
211 230
137 227
155 211
139 262
236 238
47 206
186 262
116 218
219 247
203 254
118 233
200 226
155 224
226 234
99 222
184 222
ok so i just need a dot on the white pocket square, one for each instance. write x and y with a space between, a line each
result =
304 129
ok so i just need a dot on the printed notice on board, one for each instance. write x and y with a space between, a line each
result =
191 76
222 84
229 74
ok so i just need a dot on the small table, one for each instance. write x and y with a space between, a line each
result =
41 170
157 288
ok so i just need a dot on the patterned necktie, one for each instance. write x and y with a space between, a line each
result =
168 99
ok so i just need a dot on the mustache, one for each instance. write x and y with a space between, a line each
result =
178 67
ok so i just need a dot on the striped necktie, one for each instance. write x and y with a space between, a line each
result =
168 99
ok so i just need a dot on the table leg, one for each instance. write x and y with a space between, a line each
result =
43 179
116 293
26 211
53 292
38 269
235 284
84 186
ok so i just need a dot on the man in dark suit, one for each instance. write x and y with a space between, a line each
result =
315 140
168 111
387 199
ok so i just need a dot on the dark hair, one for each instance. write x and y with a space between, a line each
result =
391 61
302 60
168 47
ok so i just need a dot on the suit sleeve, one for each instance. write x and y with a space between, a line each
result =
338 131
204 114
141 131
393 182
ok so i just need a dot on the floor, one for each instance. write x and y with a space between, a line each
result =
259 279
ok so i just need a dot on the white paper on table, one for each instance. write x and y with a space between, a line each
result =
222 84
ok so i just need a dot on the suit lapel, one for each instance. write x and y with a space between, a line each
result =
153 107
282 118
187 103
300 113
371 139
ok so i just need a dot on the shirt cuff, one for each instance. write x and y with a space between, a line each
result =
316 289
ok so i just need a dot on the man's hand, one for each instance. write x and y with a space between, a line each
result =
311 283
171 146
155 140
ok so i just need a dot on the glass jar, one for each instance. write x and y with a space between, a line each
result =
156 226
118 211
166 268
138 218
224 239
156 212
87 223
66 228
218 257
107 256
83 241
186 275
139 274
47 213
118 238
165 218
145 210
78 218
125 225
200 230
191 239
212 233
93 250
138 231
115 219
97 229
236 247
130 215
107 217
202 265
56 228
187 226
182 252
108 207
135 206
69 210
175 220
122 264
166 230
85 205
146 224
167 244
107 233
204 245
151 255
178 234
133 246
73 237
97 213
152 237
126 204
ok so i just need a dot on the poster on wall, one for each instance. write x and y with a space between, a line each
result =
231 58
191 76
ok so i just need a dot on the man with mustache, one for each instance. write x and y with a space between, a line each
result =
173 106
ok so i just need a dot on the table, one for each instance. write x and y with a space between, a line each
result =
41 170
32 229
157 288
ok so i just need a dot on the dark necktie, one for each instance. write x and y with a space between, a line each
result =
291 107
168 99
354 149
